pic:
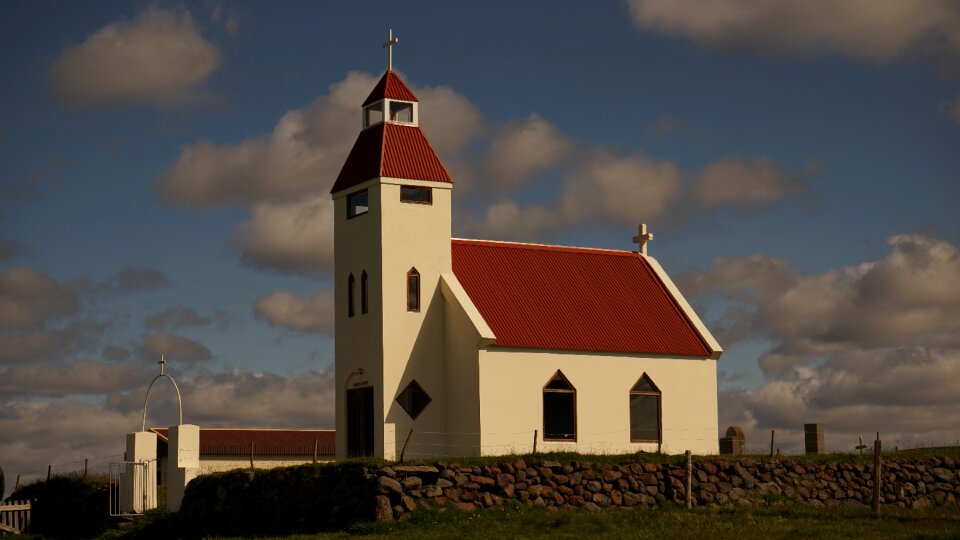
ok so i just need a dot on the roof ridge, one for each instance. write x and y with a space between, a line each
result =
548 247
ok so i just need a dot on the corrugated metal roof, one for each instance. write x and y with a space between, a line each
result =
390 86
265 441
577 299
394 150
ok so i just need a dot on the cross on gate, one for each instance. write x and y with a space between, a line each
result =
391 41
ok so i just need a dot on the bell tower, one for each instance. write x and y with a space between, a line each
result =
392 224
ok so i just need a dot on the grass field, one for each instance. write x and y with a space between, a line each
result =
777 522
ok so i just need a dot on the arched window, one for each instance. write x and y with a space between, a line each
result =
364 306
350 287
413 290
559 409
645 411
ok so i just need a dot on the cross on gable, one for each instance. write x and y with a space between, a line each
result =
388 45
643 238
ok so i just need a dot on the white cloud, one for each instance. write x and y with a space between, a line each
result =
29 298
523 148
862 29
310 314
747 185
71 378
290 237
160 58
864 348
173 347
182 317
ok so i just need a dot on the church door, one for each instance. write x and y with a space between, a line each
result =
360 422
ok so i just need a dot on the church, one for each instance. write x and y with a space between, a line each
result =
457 347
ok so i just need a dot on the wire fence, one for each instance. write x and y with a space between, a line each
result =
94 467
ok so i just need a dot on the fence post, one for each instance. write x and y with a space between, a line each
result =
771 442
49 467
877 477
316 442
251 454
85 463
17 485
534 441
688 478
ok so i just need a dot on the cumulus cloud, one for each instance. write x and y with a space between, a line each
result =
873 346
59 379
861 29
28 298
523 148
304 153
290 237
173 347
160 58
178 317
305 314
748 185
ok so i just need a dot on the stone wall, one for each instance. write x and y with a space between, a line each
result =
592 486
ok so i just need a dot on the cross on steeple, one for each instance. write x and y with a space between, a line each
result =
643 238
391 41
161 362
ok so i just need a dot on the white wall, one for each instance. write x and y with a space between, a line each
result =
511 401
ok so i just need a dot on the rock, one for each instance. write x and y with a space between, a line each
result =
482 480
466 506
611 475
551 464
408 503
451 494
561 479
389 486
616 498
382 509
504 479
443 483
486 500
432 491
412 482
651 467
591 506
601 499
943 475
594 486
387 471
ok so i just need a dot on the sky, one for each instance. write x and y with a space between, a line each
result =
165 170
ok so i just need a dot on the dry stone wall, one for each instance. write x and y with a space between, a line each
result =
592 486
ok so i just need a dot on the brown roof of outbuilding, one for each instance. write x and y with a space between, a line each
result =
394 150
390 86
227 441
576 299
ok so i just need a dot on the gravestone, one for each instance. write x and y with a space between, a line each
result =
813 438
734 443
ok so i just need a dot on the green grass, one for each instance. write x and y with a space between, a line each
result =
672 522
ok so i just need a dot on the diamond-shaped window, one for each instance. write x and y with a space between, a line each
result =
413 399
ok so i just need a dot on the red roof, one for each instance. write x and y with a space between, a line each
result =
394 150
264 441
577 299
390 87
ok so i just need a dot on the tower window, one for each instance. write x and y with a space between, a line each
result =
350 287
416 195
363 292
559 409
357 204
645 411
401 112
373 114
413 290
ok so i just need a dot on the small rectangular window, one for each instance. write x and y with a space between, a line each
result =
416 195
401 112
357 204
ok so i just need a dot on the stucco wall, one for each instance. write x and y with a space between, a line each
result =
511 401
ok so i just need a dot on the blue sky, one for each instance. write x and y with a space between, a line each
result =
164 169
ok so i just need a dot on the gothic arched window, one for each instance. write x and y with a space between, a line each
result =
645 411
413 290
559 409
350 287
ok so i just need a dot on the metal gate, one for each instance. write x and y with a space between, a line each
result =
133 487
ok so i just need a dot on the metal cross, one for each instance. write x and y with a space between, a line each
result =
391 41
643 238
161 362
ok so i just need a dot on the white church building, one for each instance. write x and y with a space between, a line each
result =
458 347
